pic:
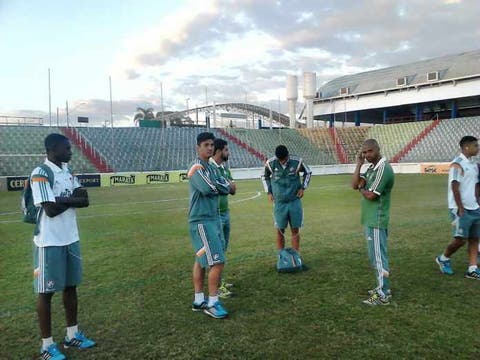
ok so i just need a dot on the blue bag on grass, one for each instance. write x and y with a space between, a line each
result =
289 260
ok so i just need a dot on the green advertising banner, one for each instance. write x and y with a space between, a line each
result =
147 178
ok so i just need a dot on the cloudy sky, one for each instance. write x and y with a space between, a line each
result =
237 49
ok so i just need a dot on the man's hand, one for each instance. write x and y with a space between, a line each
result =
360 158
460 211
80 192
233 188
270 197
300 193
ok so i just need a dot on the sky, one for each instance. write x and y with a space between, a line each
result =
232 50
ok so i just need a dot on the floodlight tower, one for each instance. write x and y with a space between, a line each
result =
309 92
292 96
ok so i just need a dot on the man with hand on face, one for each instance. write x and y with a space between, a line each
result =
375 186
58 263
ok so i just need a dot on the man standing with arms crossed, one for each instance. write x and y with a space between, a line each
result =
206 185
464 209
375 186
58 263
285 190
220 157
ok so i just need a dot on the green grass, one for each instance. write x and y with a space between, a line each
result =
136 294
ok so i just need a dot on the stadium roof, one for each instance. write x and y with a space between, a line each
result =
449 67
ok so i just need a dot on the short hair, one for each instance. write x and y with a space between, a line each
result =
219 144
204 136
372 142
281 152
467 140
52 140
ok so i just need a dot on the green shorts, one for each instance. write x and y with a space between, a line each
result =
207 242
285 213
467 226
56 267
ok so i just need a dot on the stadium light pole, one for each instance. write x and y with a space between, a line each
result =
49 99
111 122
68 112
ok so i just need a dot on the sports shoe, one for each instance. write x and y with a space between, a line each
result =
374 291
199 307
227 285
51 353
80 341
224 293
445 266
216 311
376 299
473 274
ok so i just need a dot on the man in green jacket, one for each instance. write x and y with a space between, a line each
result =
285 189
206 184
220 156
375 186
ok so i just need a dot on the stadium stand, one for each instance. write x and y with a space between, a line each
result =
352 139
441 144
321 138
394 137
266 140
148 149
22 149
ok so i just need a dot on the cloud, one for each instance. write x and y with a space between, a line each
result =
233 48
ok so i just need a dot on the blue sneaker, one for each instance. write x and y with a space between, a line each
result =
80 341
445 266
199 307
216 311
51 353
475 275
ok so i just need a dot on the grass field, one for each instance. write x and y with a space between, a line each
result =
136 295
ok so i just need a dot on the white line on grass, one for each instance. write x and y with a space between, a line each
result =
257 194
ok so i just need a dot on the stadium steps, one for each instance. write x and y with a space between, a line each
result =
22 149
341 154
320 138
262 157
266 140
441 144
87 149
352 139
417 139
393 138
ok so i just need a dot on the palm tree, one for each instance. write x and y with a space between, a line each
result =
144 114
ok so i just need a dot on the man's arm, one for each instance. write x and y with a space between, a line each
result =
201 181
357 181
458 198
307 175
455 177
53 209
477 192
267 176
79 199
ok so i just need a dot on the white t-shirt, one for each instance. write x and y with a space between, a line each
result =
62 229
467 176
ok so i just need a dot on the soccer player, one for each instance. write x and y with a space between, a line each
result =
285 189
463 203
206 184
375 186
220 157
57 259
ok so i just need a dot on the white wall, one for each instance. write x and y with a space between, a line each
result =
448 90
